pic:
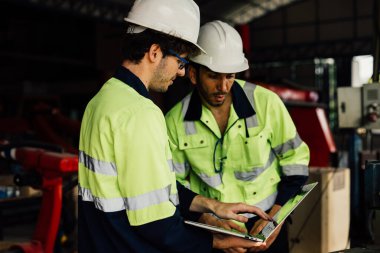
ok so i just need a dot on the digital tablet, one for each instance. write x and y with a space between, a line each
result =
271 226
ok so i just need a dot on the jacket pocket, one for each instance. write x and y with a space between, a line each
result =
249 152
198 152
192 141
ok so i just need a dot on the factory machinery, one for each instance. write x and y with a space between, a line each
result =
52 173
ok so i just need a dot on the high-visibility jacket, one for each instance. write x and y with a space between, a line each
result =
121 167
258 150
126 179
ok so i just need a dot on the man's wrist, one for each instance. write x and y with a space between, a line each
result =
216 241
212 205
204 205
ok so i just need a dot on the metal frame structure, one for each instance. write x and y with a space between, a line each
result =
234 12
339 48
113 11
316 35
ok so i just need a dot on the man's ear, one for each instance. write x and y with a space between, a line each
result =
192 74
154 53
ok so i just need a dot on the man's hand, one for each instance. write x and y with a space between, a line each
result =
226 210
233 244
226 224
268 241
259 225
232 210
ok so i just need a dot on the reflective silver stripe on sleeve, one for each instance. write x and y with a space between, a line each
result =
189 125
295 170
97 166
212 181
147 199
132 203
171 165
174 199
255 171
265 205
181 168
290 144
105 205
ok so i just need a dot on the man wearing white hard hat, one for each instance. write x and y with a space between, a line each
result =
232 140
128 197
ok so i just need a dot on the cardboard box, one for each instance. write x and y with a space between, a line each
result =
321 223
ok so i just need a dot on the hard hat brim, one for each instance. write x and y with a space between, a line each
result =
227 68
163 31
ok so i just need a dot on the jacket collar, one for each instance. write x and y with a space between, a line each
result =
240 102
130 79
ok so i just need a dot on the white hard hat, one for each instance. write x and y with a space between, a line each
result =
179 18
224 48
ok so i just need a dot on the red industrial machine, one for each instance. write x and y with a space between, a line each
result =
311 122
313 127
50 169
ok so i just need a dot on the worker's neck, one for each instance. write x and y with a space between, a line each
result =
221 113
142 70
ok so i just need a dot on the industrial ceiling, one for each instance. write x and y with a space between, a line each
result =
234 12
85 34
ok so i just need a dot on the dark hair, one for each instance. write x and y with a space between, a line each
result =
135 45
195 65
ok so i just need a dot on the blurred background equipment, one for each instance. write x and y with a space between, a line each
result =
54 174
359 107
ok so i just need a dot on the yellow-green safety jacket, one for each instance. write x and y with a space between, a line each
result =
259 149
120 165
